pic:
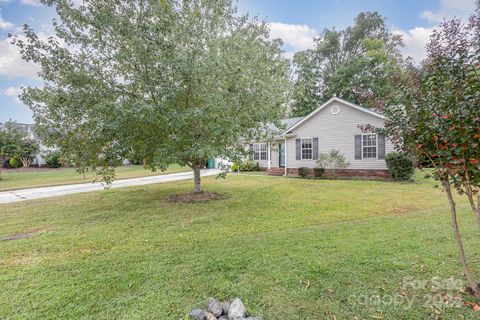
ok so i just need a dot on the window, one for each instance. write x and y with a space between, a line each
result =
369 146
307 149
259 151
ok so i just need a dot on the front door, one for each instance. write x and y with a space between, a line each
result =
281 155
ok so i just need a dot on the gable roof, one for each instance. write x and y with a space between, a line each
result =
323 106
287 123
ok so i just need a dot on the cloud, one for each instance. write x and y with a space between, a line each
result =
13 92
296 36
35 3
449 9
5 25
415 41
11 63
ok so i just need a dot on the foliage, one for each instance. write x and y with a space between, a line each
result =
438 116
303 172
235 167
400 165
246 165
332 160
27 152
53 159
318 172
15 162
174 80
10 140
355 63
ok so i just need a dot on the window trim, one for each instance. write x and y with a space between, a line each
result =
376 145
259 145
301 147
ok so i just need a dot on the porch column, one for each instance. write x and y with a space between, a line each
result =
268 156
285 156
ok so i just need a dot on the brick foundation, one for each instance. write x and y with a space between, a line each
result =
342 173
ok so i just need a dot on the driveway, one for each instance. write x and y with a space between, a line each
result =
48 192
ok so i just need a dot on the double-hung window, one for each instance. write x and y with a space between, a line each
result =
369 146
259 151
307 149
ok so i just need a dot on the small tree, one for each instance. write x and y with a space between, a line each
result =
27 152
332 160
10 141
438 117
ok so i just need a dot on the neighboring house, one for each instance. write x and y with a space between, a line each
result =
334 125
29 131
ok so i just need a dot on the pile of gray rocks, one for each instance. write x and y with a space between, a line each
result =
227 310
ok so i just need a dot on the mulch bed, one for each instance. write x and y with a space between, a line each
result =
194 197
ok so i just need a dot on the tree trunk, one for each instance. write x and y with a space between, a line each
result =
471 200
196 180
458 238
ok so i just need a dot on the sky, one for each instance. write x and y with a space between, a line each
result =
296 22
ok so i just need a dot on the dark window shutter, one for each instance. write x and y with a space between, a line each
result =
250 149
315 149
381 146
298 149
358 147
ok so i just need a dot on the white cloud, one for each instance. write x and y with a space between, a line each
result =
5 25
449 9
11 63
13 92
297 36
415 41
35 3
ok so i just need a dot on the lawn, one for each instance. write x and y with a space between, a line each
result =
41 177
289 248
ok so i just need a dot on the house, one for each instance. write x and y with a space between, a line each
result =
334 125
29 131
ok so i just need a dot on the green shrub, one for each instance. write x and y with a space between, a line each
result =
303 172
318 172
15 162
400 165
234 167
247 165
53 159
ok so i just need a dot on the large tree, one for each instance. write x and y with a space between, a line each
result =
174 81
354 64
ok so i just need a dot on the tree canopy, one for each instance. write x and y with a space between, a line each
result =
174 81
355 64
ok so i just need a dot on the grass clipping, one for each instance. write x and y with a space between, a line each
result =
194 197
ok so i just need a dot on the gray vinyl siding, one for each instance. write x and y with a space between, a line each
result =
336 132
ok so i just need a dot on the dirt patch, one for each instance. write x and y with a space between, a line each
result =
193 197
17 237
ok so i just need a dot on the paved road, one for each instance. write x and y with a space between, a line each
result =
48 192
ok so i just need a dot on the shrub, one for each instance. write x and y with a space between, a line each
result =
400 165
53 159
247 165
15 162
303 172
319 172
234 167
332 160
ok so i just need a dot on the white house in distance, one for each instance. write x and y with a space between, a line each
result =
334 125
29 132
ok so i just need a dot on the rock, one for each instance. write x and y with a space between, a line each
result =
225 307
210 316
197 314
223 317
237 310
215 307
252 318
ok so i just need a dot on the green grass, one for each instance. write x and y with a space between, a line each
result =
42 177
129 254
